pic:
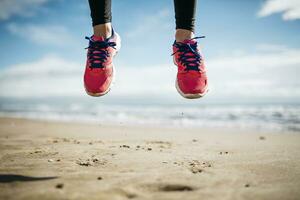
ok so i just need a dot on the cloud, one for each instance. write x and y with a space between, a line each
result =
53 76
53 35
271 72
290 9
48 76
9 8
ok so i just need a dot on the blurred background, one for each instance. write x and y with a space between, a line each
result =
252 51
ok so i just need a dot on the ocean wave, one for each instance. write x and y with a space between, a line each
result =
259 117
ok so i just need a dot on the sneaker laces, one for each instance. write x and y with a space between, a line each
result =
189 55
97 52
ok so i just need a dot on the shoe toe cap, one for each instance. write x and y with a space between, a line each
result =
192 85
97 84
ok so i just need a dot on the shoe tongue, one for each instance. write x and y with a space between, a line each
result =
98 38
189 41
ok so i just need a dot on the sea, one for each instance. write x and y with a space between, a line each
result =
266 117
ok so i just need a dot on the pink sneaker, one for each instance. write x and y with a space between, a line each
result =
99 71
191 81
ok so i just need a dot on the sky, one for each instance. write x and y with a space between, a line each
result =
251 49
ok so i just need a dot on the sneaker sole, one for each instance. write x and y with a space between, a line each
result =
114 75
190 96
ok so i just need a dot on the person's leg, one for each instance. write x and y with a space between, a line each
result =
191 79
101 17
185 12
103 46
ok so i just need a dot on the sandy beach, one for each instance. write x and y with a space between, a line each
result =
52 160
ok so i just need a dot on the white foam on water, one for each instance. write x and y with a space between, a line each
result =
259 117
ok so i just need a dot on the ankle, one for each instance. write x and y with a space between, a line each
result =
183 34
103 30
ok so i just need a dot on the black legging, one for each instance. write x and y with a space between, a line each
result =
185 11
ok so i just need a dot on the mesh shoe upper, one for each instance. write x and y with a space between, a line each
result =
191 76
99 65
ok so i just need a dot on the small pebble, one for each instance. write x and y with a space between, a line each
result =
50 160
66 140
195 170
59 185
84 163
131 196
262 138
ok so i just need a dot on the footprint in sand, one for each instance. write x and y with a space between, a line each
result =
168 187
175 188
